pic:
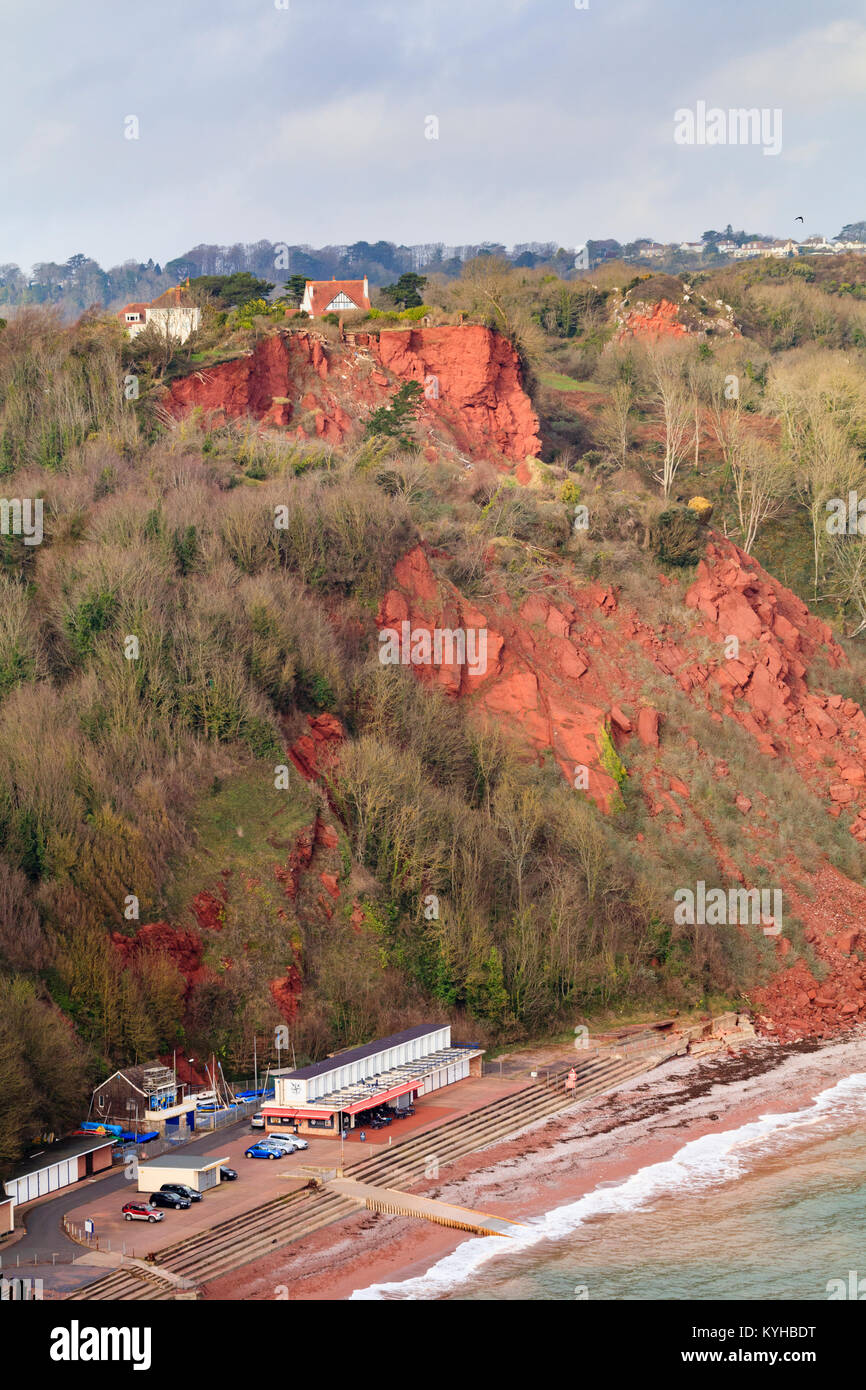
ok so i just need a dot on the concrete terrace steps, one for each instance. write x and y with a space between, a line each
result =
251 1235
407 1162
463 1130
488 1129
127 1283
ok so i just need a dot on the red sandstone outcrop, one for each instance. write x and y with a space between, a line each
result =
474 392
312 751
531 682
286 993
183 948
662 320
257 384
473 381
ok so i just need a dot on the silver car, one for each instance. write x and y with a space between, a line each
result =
285 1143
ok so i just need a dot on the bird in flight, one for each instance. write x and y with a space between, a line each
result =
798 219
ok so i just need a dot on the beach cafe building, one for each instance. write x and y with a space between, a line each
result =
329 1096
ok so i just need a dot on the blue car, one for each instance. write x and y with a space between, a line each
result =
263 1151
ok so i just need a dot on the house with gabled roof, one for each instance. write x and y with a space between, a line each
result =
336 297
172 312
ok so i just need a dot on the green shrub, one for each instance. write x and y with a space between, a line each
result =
569 493
91 616
678 537
395 420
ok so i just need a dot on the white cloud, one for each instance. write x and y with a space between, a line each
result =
819 67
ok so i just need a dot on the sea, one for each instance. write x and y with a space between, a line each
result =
772 1209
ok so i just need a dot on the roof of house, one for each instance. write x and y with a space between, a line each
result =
357 1054
325 291
172 299
175 298
134 1075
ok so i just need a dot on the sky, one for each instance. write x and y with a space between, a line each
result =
309 121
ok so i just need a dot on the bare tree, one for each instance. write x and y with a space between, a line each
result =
849 573
821 402
759 477
674 403
614 430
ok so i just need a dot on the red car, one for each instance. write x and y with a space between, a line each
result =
142 1211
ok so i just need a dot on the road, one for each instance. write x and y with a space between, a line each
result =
45 1235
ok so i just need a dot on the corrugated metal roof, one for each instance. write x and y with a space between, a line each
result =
357 1054
57 1153
186 1163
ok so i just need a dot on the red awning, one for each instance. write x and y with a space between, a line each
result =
296 1114
378 1098
382 1096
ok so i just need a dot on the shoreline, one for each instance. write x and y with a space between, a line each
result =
553 1163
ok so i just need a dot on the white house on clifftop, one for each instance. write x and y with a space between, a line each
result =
172 313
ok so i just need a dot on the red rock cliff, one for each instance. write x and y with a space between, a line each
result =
476 375
474 396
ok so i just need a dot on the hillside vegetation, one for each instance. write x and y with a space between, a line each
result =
474 882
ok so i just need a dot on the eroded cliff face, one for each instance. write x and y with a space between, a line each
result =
473 381
574 671
531 679
560 673
474 398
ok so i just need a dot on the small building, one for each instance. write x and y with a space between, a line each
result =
336 297
59 1165
148 1095
327 1096
173 313
194 1170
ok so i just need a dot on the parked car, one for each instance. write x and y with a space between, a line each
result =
298 1142
142 1211
263 1151
284 1142
257 1121
182 1190
227 1175
170 1199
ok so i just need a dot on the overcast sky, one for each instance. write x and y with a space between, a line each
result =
307 123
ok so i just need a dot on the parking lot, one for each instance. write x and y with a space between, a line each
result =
260 1180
